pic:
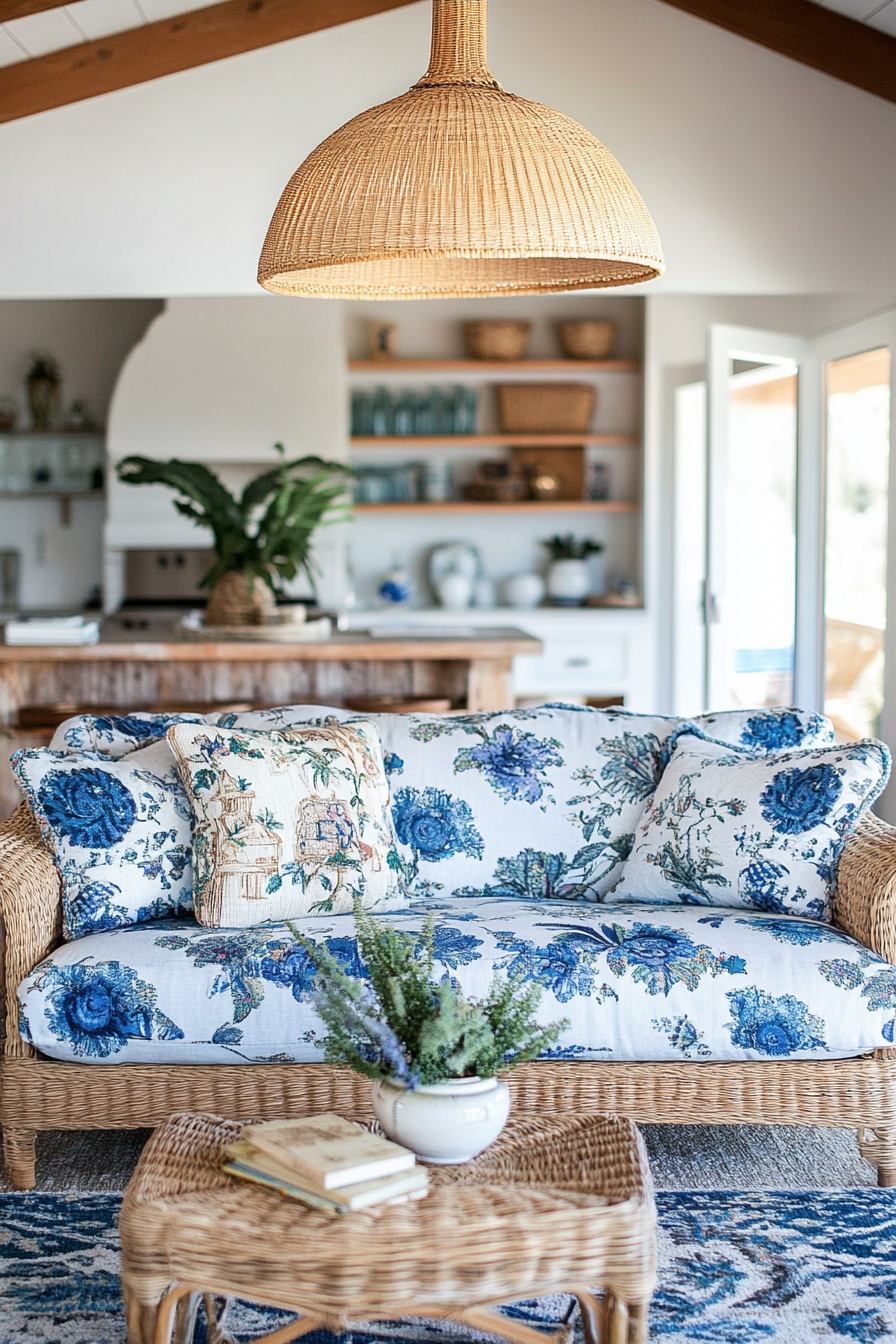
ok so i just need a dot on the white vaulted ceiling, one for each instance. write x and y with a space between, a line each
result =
878 13
84 21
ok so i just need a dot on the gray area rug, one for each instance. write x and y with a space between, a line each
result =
684 1157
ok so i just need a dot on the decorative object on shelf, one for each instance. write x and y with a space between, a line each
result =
545 408
263 538
568 579
453 557
497 340
497 481
622 593
9 414
484 595
383 414
524 591
587 340
433 1053
396 588
477 192
42 385
388 485
599 482
78 419
455 591
437 480
381 340
552 473
10 574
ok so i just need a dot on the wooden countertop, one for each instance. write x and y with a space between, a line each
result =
343 646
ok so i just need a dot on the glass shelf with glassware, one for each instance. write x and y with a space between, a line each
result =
52 463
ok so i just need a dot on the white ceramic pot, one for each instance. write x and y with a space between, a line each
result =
568 582
455 591
524 591
446 1123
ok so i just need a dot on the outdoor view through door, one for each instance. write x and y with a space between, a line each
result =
857 440
759 538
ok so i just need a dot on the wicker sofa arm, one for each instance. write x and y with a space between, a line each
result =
31 905
865 903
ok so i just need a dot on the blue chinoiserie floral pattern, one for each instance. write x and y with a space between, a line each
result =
751 831
691 984
119 830
115 734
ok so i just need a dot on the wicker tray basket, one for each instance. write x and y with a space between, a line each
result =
497 340
545 408
586 340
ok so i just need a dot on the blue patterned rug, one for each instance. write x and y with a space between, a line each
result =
791 1267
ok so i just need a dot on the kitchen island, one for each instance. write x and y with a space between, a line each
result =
168 667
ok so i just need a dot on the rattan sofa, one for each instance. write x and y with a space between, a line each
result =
41 1094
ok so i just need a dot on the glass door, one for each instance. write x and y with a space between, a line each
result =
751 608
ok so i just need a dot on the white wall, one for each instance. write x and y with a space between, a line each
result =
763 176
60 565
220 381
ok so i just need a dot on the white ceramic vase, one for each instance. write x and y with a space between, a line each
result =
447 1122
524 591
568 582
455 591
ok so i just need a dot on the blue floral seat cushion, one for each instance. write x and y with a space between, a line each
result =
528 803
761 833
119 830
672 984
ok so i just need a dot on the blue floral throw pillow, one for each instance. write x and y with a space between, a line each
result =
115 734
288 823
119 830
763 833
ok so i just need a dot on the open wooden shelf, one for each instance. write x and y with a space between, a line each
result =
492 440
523 506
385 366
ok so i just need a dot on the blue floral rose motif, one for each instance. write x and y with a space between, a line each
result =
97 1009
392 763
799 932
453 947
435 825
773 732
107 725
513 762
759 886
798 800
774 1027
657 956
91 808
635 765
287 963
561 968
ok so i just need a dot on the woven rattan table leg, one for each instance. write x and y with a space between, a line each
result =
879 1147
638 1313
141 1317
593 1318
617 1320
19 1157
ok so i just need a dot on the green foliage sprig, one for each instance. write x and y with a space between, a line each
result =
267 530
406 1026
567 547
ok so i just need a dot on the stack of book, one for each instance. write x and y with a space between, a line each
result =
326 1162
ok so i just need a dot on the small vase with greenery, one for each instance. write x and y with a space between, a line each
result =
262 539
433 1053
568 578
42 384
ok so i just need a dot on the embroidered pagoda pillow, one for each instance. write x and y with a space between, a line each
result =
760 832
119 831
287 823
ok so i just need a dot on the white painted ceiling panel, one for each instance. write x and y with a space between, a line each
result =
99 18
853 9
10 52
885 19
40 33
166 9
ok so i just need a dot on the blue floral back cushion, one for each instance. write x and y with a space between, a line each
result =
536 803
726 829
119 831
115 734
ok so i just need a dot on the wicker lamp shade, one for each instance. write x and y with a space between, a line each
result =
458 189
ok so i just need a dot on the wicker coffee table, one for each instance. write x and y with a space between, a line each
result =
557 1205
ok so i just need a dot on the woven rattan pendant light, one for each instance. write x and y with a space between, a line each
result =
458 189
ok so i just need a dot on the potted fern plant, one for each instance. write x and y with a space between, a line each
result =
433 1054
568 578
262 538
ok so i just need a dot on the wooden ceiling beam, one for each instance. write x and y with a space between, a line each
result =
179 43
20 9
808 33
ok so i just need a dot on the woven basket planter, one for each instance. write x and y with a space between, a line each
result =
230 602
586 340
545 408
497 340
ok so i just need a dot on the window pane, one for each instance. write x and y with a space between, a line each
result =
857 394
760 533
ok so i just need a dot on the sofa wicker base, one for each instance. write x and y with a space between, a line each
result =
42 1094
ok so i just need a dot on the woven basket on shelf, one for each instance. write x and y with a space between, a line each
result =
497 340
586 340
545 408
